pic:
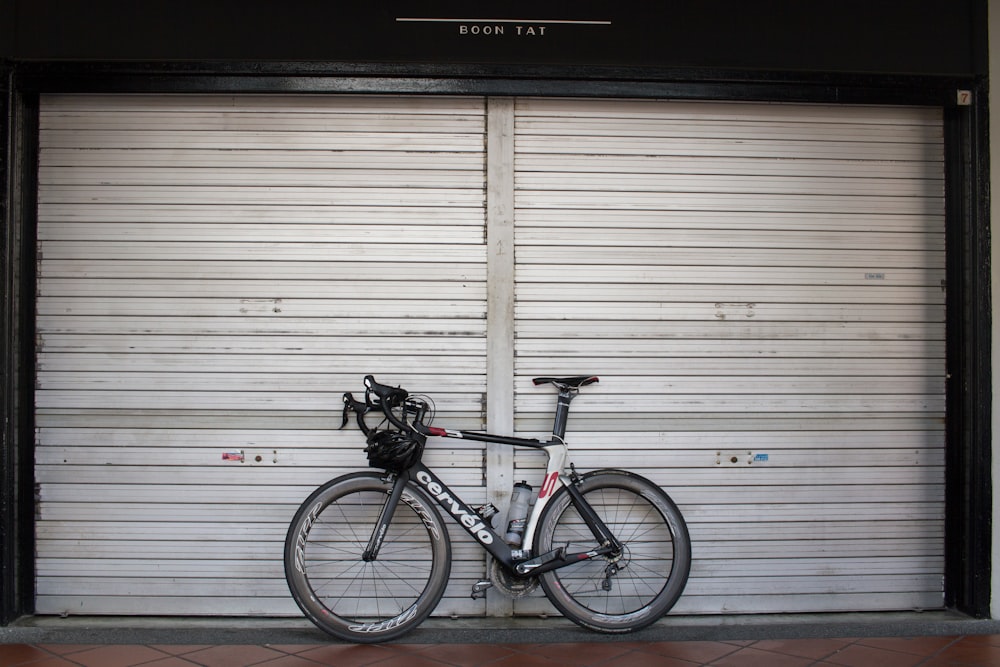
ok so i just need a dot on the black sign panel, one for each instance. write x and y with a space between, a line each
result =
902 36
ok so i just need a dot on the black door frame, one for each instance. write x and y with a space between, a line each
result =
968 481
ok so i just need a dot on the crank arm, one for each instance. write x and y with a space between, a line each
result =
558 558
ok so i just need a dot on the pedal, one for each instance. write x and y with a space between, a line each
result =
479 589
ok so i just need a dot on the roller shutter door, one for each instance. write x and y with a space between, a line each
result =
760 288
214 272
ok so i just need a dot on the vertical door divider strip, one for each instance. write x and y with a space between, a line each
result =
500 310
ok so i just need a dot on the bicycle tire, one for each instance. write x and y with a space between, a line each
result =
341 593
653 567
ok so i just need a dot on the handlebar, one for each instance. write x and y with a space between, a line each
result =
387 398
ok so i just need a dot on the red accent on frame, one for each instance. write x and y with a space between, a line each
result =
548 486
434 430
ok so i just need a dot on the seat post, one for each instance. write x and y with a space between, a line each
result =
562 413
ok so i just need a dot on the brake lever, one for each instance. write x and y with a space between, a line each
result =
348 399
351 404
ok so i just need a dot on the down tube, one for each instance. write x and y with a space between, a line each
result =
474 525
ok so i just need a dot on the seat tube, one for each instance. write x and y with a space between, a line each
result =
557 453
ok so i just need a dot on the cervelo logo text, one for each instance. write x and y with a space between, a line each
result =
466 517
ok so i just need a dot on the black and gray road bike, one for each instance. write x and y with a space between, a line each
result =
368 557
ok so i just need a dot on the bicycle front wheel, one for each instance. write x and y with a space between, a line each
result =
342 593
630 590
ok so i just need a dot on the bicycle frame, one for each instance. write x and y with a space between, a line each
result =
515 560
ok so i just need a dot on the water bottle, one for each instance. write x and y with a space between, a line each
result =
518 514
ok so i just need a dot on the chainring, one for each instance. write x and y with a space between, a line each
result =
508 584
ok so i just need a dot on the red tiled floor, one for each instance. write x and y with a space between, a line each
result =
166 662
181 649
816 649
970 651
643 659
19 654
115 656
346 655
464 655
860 655
232 656
52 661
967 653
922 646
992 640
65 649
697 652
519 659
587 653
754 657
286 661
410 660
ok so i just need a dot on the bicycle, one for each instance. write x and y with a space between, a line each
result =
367 556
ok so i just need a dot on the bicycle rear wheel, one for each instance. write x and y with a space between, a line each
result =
357 600
629 591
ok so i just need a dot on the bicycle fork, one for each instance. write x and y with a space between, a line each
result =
385 516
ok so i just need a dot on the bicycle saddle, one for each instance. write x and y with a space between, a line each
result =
568 383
